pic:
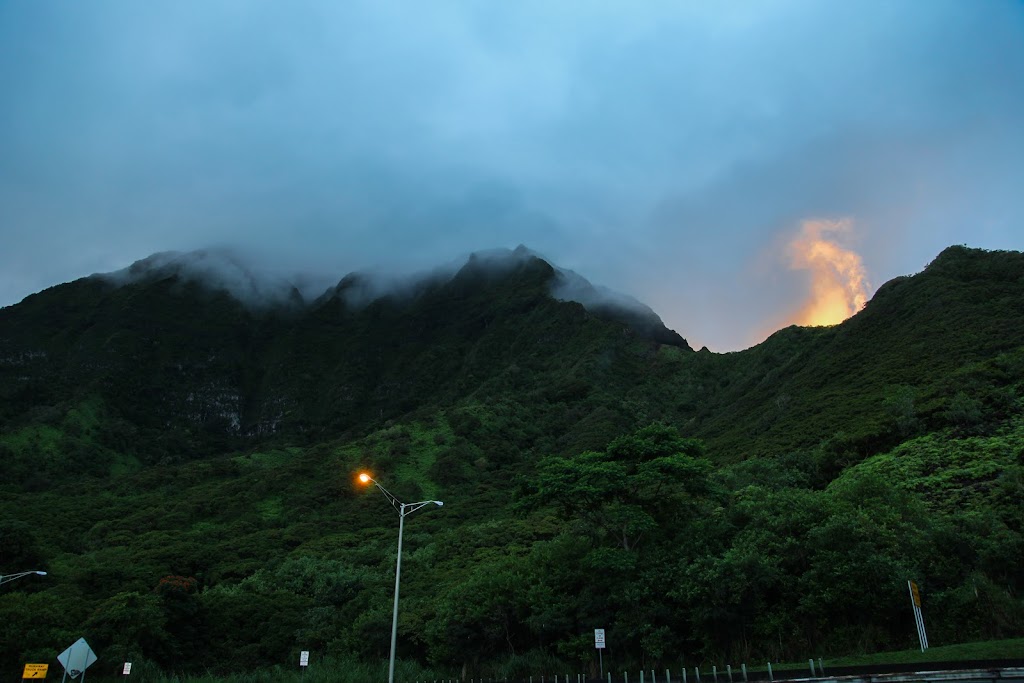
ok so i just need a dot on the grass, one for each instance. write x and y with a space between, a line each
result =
328 670
1012 648
36 438
268 459
331 670
989 649
271 509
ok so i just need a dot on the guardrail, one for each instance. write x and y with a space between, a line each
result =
977 671
998 675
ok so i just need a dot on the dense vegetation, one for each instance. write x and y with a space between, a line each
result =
182 466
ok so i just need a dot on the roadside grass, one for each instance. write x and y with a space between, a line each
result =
332 670
328 670
1012 648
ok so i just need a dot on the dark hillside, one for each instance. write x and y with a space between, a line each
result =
878 377
182 464
180 370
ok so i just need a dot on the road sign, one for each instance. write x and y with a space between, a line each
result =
127 668
915 603
35 671
599 638
77 658
304 658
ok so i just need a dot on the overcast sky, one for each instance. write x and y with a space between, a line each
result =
674 151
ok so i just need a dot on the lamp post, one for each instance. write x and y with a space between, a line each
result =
12 577
403 510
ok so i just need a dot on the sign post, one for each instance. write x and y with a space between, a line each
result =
35 671
304 661
915 602
599 644
76 659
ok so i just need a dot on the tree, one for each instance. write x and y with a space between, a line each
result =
131 624
628 505
19 550
642 481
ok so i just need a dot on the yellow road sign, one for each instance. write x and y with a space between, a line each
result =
35 671
915 593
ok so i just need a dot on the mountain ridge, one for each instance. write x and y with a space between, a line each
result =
446 337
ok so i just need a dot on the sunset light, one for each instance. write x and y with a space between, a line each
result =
838 282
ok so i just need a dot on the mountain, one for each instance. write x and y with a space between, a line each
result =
178 441
924 336
191 343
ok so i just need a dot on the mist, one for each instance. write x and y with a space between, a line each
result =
669 151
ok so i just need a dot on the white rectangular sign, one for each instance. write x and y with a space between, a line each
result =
599 638
127 668
304 658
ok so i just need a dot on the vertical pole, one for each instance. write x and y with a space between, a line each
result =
744 665
915 601
668 676
696 670
72 651
811 662
398 575
728 667
600 659
918 619
771 676
821 666
684 674
714 672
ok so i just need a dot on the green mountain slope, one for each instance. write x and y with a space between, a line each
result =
882 374
182 464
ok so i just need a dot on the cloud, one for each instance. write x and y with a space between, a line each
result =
838 285
660 149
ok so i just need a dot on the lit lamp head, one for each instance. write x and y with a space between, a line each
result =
364 478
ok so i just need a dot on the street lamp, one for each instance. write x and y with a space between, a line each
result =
12 577
403 510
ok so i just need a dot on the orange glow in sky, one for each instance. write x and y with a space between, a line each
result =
839 286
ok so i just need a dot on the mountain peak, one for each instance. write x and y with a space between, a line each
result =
222 269
606 303
216 268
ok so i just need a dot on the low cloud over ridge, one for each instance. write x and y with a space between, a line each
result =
659 148
259 286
